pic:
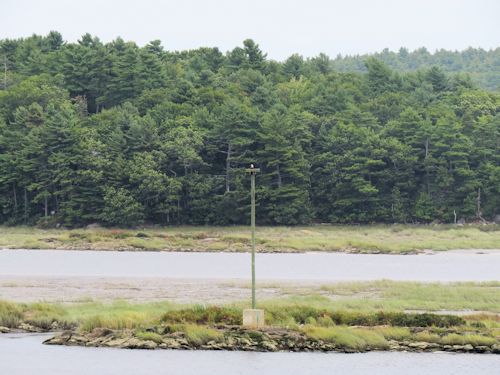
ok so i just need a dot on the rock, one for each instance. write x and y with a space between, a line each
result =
269 346
56 340
113 343
148 344
245 342
213 345
101 332
495 348
482 349
170 343
29 328
77 340
468 348
4 329
421 345
135 343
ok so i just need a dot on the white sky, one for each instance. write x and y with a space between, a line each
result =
281 28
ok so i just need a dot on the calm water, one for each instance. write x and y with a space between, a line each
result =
24 354
445 266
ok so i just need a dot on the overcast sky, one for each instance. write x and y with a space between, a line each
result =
307 27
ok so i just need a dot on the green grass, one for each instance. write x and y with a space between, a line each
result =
347 337
117 315
374 238
474 340
201 324
394 333
200 335
10 314
401 296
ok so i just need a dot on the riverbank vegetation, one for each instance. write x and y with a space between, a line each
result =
118 134
372 239
347 303
290 326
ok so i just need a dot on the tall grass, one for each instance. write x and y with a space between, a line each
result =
345 337
10 314
474 340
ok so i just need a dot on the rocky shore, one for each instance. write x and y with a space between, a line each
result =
238 338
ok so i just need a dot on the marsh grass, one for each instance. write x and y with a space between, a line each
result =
427 337
146 243
10 314
401 296
394 333
473 339
117 315
40 315
347 337
374 238
199 335
201 324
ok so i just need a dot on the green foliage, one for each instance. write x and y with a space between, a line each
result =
204 315
345 337
200 335
120 208
10 314
455 339
303 314
121 134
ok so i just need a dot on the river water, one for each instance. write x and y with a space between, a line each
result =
22 354
468 265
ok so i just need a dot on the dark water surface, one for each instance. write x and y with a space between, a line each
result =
468 265
22 354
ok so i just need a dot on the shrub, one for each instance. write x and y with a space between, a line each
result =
395 319
325 321
204 315
121 208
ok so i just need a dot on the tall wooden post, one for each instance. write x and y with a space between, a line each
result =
253 317
253 171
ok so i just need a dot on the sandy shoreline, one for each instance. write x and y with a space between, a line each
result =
141 289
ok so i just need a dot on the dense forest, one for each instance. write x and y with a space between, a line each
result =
482 66
120 134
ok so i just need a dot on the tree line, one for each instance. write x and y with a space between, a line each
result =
120 134
480 65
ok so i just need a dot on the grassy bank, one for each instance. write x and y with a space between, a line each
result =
376 238
217 327
351 303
